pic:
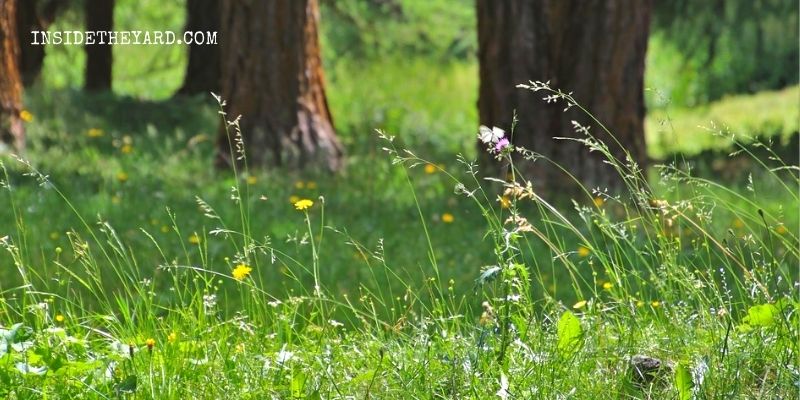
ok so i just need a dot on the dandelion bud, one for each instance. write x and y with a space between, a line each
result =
150 342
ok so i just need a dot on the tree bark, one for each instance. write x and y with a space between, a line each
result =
593 48
34 15
12 132
272 76
99 17
203 70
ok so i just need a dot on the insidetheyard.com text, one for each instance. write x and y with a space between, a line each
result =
112 38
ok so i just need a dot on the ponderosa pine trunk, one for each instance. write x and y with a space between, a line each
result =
99 17
34 15
205 64
593 48
12 132
272 76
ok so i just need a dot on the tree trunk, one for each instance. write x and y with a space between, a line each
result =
594 48
34 15
99 17
12 132
272 77
203 69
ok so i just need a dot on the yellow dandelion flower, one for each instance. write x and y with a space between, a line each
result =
781 230
639 303
252 180
59 318
303 204
122 176
194 239
505 201
583 251
598 201
448 218
172 337
241 271
126 149
608 285
150 343
240 348
293 199
26 116
311 185
430 169
655 303
299 185
95 133
579 305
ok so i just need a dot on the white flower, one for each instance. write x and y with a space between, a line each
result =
209 301
334 323
21 347
109 372
513 298
492 135
283 356
26 368
503 392
120 348
201 361
699 374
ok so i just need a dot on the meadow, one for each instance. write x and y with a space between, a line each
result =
132 268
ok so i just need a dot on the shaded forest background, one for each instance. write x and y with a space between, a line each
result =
417 70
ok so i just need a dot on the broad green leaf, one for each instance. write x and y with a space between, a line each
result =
761 315
569 332
683 382
314 396
298 384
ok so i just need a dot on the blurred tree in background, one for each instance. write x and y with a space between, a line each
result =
204 67
592 48
12 132
720 47
272 76
99 58
34 15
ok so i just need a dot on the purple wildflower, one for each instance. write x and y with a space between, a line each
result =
501 145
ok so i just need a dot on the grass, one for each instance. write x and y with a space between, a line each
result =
119 276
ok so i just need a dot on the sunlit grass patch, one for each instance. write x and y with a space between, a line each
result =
770 114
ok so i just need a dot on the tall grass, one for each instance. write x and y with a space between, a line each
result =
634 294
